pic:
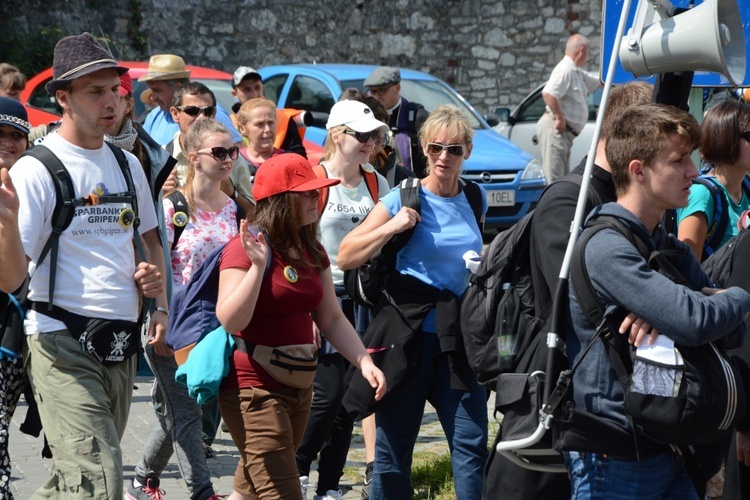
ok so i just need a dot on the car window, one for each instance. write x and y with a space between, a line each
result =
42 100
309 94
428 93
272 87
531 109
595 98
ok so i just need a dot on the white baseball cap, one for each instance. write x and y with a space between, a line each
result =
355 115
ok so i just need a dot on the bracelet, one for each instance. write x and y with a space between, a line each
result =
162 309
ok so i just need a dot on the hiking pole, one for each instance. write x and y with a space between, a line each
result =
554 341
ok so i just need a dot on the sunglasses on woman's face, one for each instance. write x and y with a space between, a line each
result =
435 149
221 154
363 137
208 111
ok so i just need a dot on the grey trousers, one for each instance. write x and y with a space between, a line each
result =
178 429
554 146
84 408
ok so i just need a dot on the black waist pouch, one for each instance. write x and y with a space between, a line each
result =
110 341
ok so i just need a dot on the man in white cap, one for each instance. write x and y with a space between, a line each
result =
247 84
404 118
83 389
166 73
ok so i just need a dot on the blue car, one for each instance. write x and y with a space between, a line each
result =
512 178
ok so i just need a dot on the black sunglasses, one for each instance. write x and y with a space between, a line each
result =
362 137
221 154
434 149
208 111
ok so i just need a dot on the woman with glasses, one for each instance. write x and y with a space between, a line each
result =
725 144
430 277
205 218
275 304
256 121
353 135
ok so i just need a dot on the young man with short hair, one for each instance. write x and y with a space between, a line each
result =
83 403
648 151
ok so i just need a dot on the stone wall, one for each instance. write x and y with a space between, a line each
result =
492 52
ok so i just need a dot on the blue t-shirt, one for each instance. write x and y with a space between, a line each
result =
701 200
162 128
434 254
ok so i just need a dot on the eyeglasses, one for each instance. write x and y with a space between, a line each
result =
208 111
435 149
363 137
379 90
314 193
745 135
221 154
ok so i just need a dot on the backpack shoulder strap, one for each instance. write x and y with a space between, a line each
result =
62 215
124 165
474 196
180 204
718 225
321 172
409 191
371 180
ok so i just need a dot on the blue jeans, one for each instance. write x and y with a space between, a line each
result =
463 416
661 476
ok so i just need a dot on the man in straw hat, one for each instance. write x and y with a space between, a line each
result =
167 73
84 403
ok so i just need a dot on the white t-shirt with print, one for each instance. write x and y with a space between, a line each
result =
345 210
204 232
96 257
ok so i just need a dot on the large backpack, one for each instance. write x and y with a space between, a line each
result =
182 213
498 320
193 305
366 283
720 265
695 402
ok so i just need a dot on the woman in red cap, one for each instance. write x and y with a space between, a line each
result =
270 305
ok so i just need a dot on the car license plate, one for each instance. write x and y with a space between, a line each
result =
505 198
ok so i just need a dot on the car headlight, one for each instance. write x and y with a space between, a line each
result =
533 171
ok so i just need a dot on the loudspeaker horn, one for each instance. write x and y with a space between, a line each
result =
708 37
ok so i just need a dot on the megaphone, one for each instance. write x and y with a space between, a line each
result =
708 37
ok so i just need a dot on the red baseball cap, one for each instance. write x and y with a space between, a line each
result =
287 172
126 84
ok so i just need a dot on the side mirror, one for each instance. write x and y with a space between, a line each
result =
502 114
319 119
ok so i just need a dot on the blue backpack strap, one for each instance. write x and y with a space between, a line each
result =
717 226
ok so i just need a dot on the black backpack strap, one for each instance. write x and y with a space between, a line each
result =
409 191
124 165
473 195
178 200
62 215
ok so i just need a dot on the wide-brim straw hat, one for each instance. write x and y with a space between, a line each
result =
77 56
165 67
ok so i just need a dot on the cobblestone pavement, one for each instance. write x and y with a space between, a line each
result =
30 470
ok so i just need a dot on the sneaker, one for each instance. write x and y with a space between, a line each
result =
368 480
330 495
304 485
150 491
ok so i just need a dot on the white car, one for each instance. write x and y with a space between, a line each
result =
519 125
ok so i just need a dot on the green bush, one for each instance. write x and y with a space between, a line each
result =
30 52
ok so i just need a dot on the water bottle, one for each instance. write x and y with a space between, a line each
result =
506 340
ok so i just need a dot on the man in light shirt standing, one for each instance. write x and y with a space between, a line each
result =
566 97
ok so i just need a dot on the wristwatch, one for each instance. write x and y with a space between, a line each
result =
162 309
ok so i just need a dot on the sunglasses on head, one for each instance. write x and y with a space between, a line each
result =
208 111
362 137
434 149
221 154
